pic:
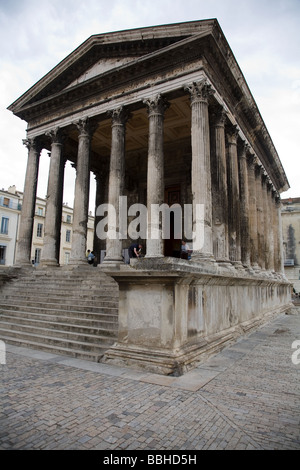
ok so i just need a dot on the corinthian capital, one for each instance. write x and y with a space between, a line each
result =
119 116
156 105
55 135
33 144
199 91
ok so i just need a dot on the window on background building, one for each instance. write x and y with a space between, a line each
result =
40 211
68 219
2 254
68 236
4 225
6 201
37 255
39 232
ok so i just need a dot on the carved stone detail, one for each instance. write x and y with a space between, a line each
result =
199 91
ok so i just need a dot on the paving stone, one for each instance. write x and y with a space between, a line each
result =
246 397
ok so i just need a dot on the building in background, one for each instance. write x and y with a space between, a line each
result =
291 240
10 210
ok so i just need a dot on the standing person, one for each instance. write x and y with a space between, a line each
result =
185 250
135 250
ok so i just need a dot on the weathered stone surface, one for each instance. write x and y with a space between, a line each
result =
173 81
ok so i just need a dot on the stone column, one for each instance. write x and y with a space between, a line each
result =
81 199
252 211
233 199
29 199
116 185
201 172
101 178
219 189
244 207
155 174
271 266
279 258
260 216
50 251
266 225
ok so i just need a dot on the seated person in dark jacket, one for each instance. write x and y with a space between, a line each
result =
134 250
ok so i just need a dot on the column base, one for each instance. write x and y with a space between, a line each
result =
238 266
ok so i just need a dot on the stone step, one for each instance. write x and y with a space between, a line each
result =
80 299
56 315
60 288
37 319
51 307
60 330
51 336
72 312
76 351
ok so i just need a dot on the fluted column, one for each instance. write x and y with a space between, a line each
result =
233 199
101 178
244 206
51 246
116 185
155 174
266 221
28 205
201 171
260 216
271 265
252 212
219 189
279 258
81 199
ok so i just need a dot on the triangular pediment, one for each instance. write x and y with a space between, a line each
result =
100 67
102 53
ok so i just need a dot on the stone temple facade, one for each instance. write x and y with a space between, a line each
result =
163 115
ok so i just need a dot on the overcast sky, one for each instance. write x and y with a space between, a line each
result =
264 35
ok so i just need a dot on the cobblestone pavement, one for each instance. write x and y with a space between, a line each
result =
245 397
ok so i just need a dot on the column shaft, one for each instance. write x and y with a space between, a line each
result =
101 178
116 185
260 216
244 208
271 266
50 252
253 212
81 199
219 191
28 205
155 175
201 172
266 222
233 200
278 223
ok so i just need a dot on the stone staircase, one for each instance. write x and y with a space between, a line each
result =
61 311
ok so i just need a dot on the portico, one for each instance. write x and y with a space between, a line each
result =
145 111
